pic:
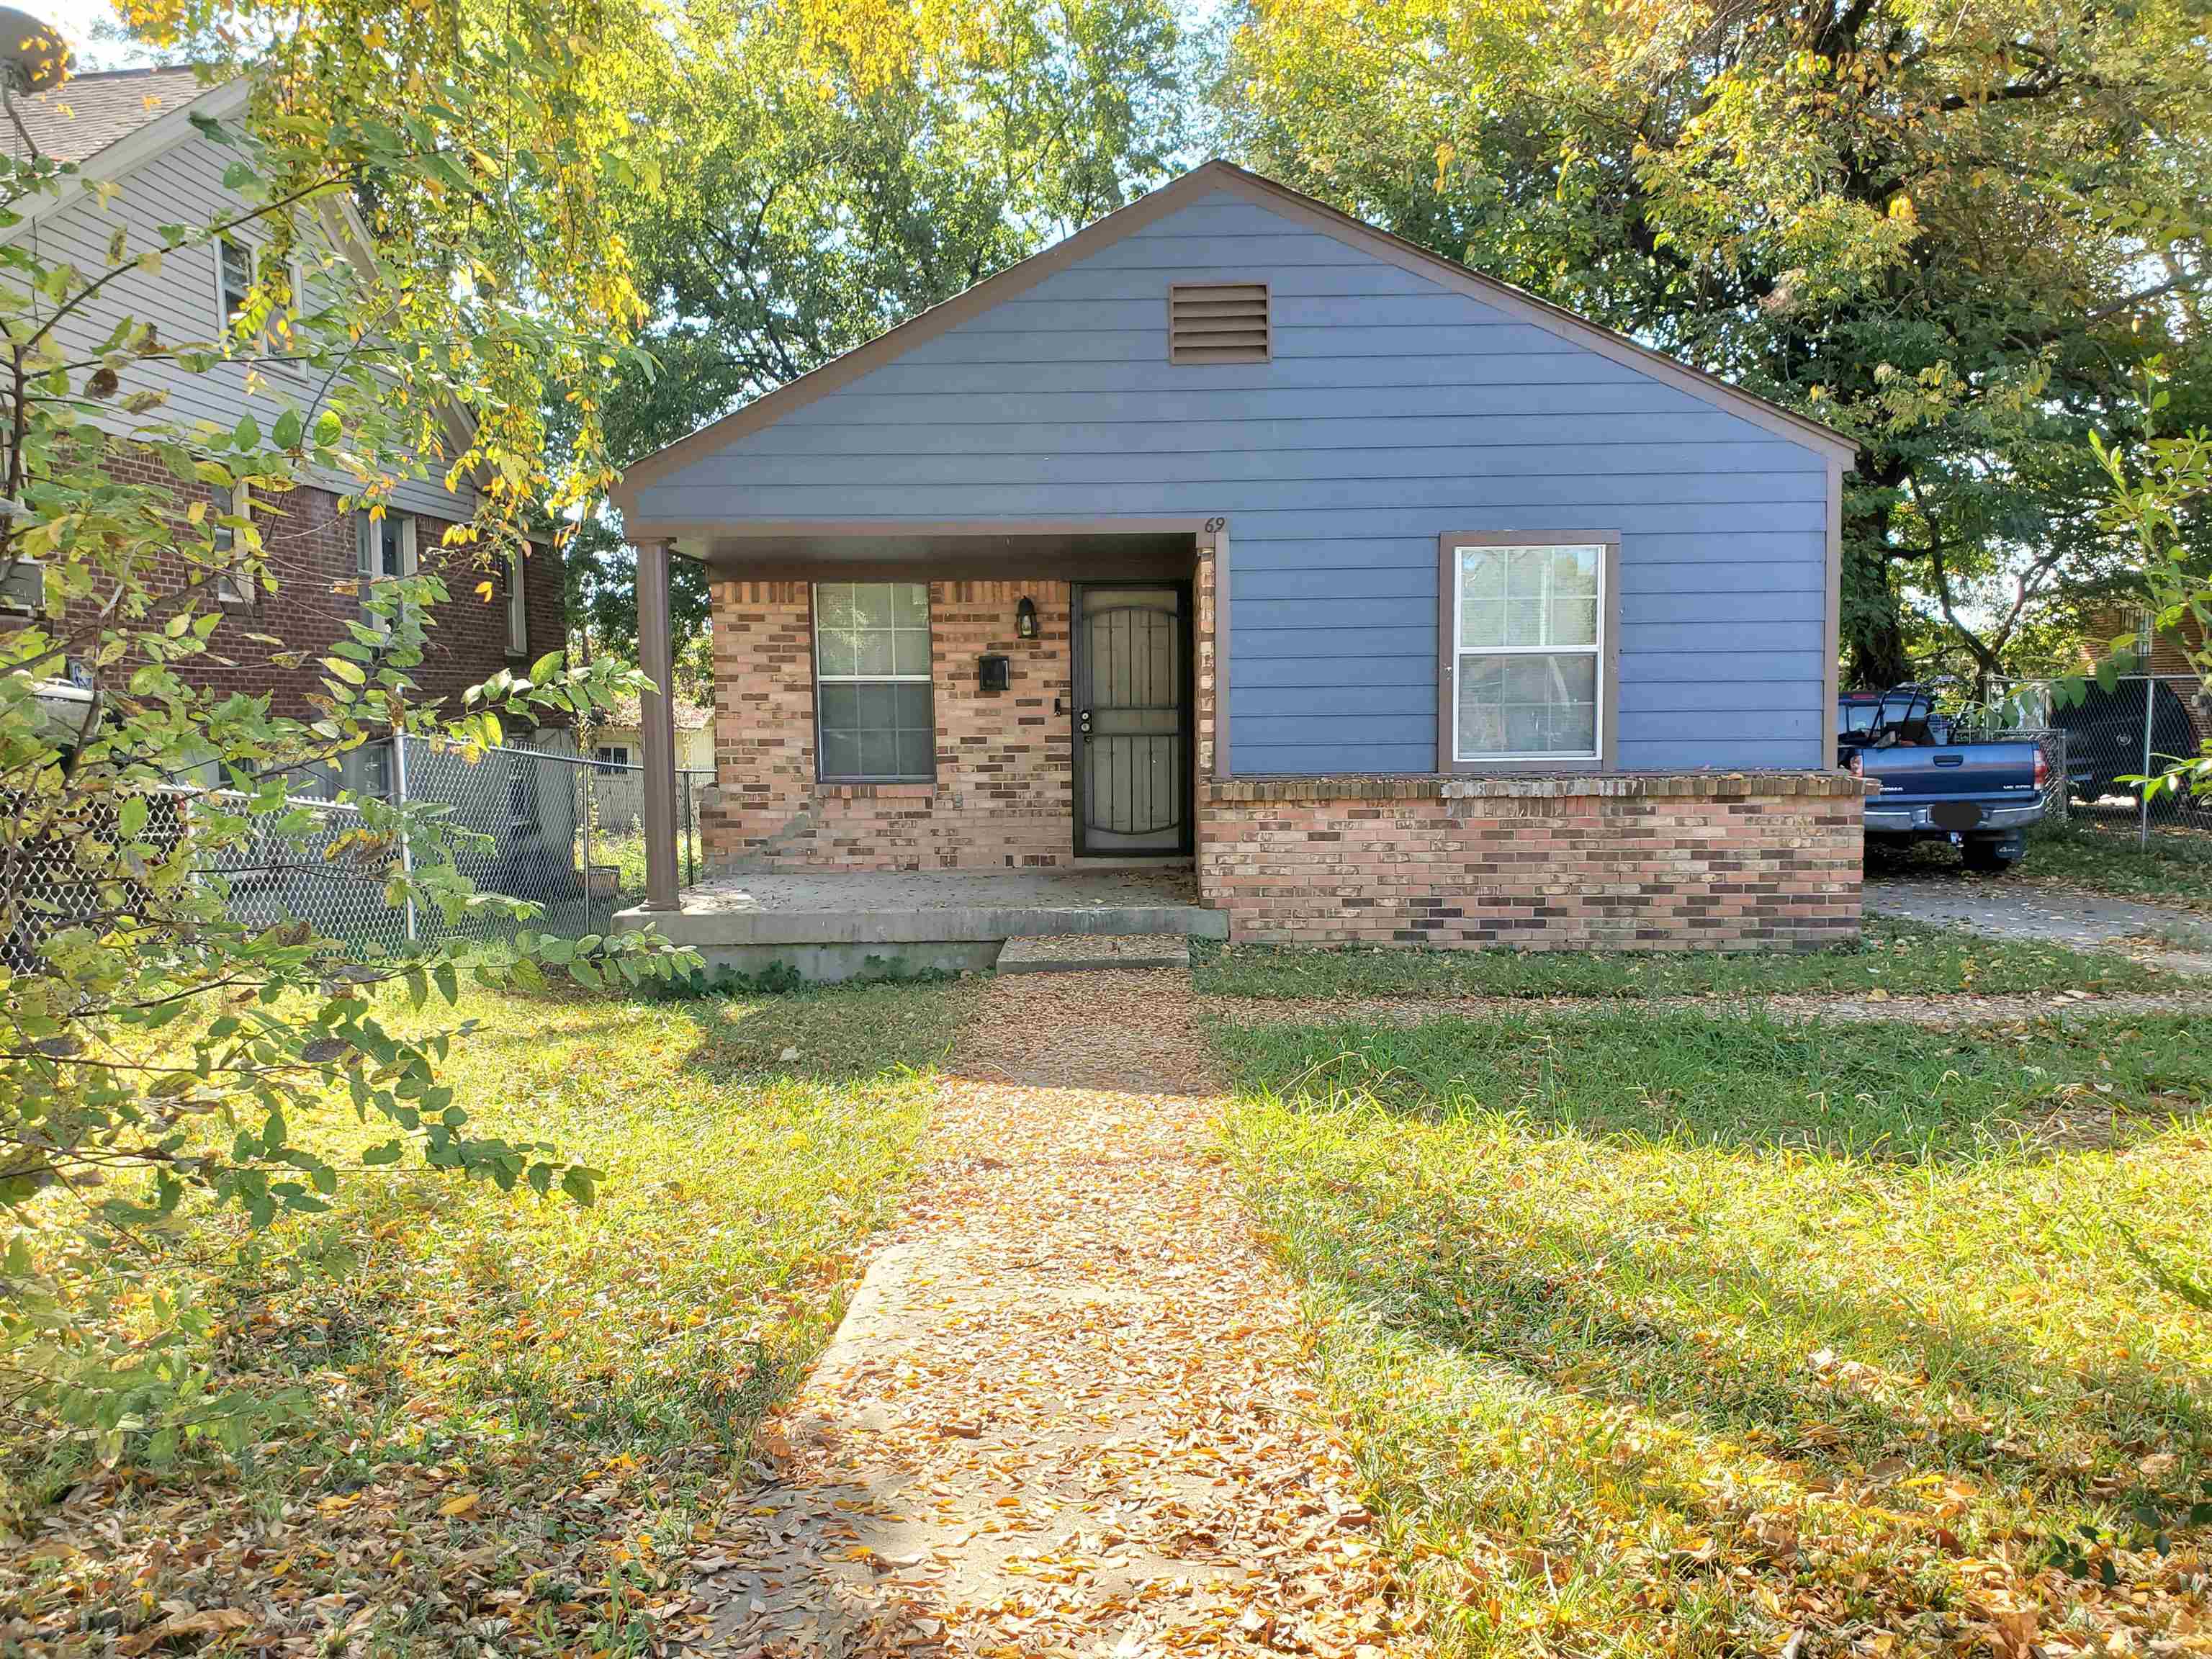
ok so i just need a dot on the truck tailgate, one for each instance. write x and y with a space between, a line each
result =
2005 771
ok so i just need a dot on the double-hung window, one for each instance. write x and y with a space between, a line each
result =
518 608
1525 670
874 721
233 581
239 265
384 551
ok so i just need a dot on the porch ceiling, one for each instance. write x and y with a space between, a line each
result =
887 551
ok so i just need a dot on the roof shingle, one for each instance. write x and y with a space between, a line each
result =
88 113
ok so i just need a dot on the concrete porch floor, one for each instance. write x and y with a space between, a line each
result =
831 924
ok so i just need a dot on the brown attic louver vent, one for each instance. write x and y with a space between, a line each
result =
1218 322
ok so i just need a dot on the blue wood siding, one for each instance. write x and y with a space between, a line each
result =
1394 410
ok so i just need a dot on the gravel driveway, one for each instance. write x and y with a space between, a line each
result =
2012 910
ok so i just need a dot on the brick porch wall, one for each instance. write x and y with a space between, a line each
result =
1692 861
1003 796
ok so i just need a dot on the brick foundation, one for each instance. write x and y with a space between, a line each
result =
1692 861
1003 793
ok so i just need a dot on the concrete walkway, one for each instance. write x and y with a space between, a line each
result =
1064 1414
2056 916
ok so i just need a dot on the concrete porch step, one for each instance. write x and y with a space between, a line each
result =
1066 953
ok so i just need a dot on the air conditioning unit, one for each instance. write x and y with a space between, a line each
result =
23 586
66 716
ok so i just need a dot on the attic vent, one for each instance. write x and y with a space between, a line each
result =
1218 322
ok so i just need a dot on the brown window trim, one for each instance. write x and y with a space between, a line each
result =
1608 690
822 779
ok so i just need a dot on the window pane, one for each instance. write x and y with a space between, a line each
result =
840 651
1533 704
910 605
875 651
833 606
875 604
910 651
840 707
840 755
879 754
1529 597
917 755
912 709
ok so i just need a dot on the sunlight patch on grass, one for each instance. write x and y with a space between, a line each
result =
1655 1356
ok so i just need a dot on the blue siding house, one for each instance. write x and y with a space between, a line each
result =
1231 528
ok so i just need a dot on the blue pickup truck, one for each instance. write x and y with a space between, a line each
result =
1980 797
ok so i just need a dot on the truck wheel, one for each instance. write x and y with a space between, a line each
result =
1988 856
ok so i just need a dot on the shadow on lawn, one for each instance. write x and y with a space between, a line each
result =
842 1034
1829 1379
1878 1093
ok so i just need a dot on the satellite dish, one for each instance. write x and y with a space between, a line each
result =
33 54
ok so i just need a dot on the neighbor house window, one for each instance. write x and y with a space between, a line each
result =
874 720
238 264
1525 668
611 756
233 280
234 582
518 608
384 551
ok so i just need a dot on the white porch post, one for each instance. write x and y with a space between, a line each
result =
657 726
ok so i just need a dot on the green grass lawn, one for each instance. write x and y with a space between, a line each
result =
1664 1333
518 1405
2175 869
1900 958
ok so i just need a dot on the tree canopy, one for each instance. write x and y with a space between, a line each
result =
825 173
1957 233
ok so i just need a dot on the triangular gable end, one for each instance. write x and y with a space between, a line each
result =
1299 211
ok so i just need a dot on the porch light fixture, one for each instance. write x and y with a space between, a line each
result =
1025 626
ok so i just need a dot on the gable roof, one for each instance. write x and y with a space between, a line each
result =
86 113
1219 175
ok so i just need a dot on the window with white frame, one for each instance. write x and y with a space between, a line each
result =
1527 659
239 265
232 583
384 551
874 719
610 757
233 280
518 608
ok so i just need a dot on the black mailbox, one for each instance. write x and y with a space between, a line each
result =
991 672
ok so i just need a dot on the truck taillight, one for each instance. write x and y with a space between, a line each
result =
2042 769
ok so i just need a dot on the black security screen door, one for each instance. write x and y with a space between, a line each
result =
1132 673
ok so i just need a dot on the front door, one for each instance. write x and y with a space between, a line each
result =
1132 675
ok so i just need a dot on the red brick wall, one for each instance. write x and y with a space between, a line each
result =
310 545
1697 861
1003 795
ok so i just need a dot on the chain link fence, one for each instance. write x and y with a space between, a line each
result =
2143 724
563 832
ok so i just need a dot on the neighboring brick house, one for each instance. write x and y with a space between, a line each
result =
1528 635
142 163
2171 657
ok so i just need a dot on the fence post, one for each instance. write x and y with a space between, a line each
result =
683 830
399 791
2143 790
585 794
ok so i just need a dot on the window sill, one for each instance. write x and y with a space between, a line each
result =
827 790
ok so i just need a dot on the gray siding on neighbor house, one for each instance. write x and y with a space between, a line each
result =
1395 410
